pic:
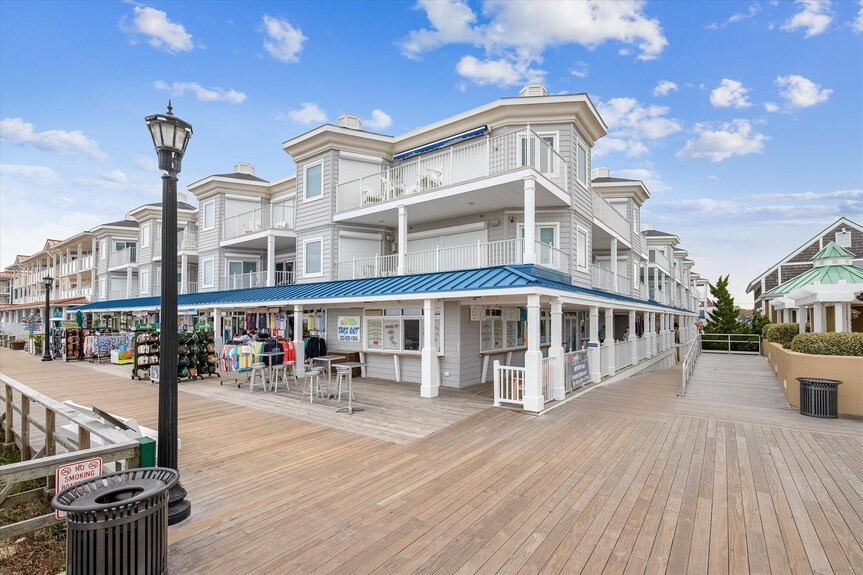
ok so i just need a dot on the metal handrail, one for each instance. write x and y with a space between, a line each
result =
688 365
732 338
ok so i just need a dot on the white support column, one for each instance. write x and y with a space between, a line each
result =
403 238
430 370
819 323
93 285
802 318
271 260
651 331
217 329
614 285
633 341
556 351
593 350
839 317
533 399
129 281
529 220
609 340
184 273
299 366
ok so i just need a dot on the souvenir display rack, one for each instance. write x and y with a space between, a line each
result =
74 348
146 343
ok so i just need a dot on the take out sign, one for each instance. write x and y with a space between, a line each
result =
73 473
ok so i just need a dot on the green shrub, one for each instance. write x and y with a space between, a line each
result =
781 333
829 344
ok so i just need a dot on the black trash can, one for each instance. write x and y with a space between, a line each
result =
118 523
819 397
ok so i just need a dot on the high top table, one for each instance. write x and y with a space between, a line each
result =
350 365
329 359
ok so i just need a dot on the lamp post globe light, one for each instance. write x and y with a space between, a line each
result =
170 137
46 323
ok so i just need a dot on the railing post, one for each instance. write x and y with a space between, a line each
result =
25 427
496 377
479 263
50 446
83 438
354 269
7 424
377 266
437 258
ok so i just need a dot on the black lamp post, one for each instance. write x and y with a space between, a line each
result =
46 325
170 137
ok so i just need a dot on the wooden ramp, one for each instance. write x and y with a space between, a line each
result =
735 380
626 479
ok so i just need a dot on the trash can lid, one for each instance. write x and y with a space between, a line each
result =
116 489
818 380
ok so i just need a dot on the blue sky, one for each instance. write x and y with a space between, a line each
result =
745 119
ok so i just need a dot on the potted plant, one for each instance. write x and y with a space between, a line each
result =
17 344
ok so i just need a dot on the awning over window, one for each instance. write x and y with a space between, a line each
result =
481 131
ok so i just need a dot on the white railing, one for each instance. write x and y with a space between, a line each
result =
187 240
284 278
643 345
546 370
605 213
660 259
508 384
374 267
243 281
622 354
280 216
191 287
642 291
551 257
455 165
75 292
738 343
122 257
603 360
644 246
688 365
471 256
604 279
87 262
123 294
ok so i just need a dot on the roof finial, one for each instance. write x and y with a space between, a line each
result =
170 108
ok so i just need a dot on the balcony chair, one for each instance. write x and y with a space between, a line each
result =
432 178
372 197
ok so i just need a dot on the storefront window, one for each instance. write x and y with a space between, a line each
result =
399 329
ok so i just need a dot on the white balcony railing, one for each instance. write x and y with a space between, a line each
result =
551 257
280 216
455 165
187 240
642 291
508 384
660 259
191 287
284 278
604 279
122 293
373 267
605 213
122 257
243 281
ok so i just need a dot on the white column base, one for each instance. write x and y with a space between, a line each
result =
593 361
430 385
533 400
557 390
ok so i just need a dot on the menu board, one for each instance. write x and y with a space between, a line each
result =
498 334
374 333
486 335
511 334
392 334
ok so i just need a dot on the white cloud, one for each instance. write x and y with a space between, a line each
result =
380 120
39 175
308 113
771 106
18 131
729 94
650 177
753 10
116 176
501 72
734 138
713 178
203 94
161 33
146 163
514 35
857 24
630 123
815 17
854 194
285 42
579 70
800 92
664 88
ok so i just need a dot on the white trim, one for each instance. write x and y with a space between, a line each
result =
519 231
203 267
381 350
243 198
449 231
584 182
361 235
145 235
306 274
281 198
204 225
580 230
554 146
360 157
306 169
103 249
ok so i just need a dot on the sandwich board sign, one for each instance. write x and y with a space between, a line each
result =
70 474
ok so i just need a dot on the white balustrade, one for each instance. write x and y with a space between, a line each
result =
284 278
279 216
546 370
454 165
549 256
508 384
243 281
642 344
373 267
604 279
622 354
122 257
606 214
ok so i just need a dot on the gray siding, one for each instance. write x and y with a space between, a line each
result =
314 218
470 369
451 361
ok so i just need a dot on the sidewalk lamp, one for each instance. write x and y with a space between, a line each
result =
170 137
46 323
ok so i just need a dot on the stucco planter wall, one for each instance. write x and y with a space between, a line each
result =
789 365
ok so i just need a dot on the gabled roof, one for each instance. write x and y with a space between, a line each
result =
831 251
610 180
841 221
240 176
484 280
656 234
823 275
119 224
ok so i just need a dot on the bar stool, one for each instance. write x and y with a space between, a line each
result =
280 375
312 383
342 375
258 370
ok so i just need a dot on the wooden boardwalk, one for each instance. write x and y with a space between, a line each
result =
735 380
626 479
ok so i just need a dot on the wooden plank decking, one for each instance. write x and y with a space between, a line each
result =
626 479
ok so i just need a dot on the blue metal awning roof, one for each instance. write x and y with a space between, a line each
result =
481 131
453 282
